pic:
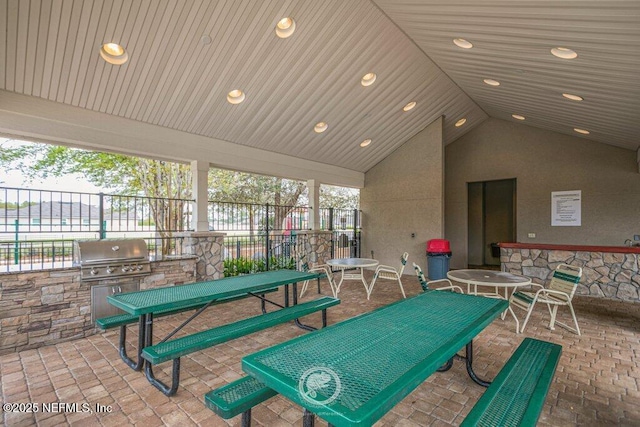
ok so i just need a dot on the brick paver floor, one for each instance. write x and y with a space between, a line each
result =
597 381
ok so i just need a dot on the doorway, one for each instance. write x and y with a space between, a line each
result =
491 219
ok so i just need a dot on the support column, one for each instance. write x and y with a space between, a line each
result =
208 247
200 185
638 159
314 204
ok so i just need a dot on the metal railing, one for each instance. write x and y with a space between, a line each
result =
25 211
229 216
37 227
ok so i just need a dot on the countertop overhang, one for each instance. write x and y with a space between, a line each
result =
575 248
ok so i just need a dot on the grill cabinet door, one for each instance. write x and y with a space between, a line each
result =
99 305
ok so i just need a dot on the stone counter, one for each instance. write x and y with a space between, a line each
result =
46 307
607 271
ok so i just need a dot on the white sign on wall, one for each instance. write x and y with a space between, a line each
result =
566 208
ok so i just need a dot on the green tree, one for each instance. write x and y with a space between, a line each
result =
339 197
240 187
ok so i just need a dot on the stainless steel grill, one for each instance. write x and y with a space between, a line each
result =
104 259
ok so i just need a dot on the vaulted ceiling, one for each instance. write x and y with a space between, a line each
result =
186 56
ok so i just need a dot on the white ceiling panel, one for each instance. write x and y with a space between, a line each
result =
49 49
174 80
512 40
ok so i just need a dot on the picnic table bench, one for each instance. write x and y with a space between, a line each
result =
517 394
125 319
174 349
238 397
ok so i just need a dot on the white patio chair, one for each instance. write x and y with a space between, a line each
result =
389 273
560 292
322 269
425 284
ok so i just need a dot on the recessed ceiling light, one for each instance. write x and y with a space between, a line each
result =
285 27
564 53
113 53
368 79
320 127
517 116
365 143
572 97
461 122
206 39
409 106
462 43
236 96
582 131
491 82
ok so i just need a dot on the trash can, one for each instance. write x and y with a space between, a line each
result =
438 255
495 250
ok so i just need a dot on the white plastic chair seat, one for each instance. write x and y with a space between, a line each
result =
559 293
386 272
389 273
323 269
450 286
425 284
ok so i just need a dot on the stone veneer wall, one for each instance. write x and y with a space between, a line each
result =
604 274
315 244
208 248
50 306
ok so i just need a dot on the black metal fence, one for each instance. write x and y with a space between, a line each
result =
38 227
24 211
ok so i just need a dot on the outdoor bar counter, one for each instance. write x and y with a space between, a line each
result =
608 271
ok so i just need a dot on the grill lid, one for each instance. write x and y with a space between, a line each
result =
106 259
106 251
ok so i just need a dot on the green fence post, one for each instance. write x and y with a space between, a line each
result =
102 232
266 237
16 251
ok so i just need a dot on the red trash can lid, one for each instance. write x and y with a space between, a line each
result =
438 245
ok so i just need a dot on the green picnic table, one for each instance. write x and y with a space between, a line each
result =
354 372
174 297
201 295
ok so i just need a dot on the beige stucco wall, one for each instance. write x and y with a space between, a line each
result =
403 194
542 162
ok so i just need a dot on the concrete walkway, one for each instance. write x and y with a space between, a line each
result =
597 382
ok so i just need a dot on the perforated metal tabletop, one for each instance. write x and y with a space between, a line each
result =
367 364
174 297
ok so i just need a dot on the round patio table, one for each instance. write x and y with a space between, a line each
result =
494 279
350 263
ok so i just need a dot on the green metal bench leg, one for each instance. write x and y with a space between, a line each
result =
295 302
263 305
175 378
136 365
469 365
308 419
246 418
469 360
148 367
446 366
286 295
